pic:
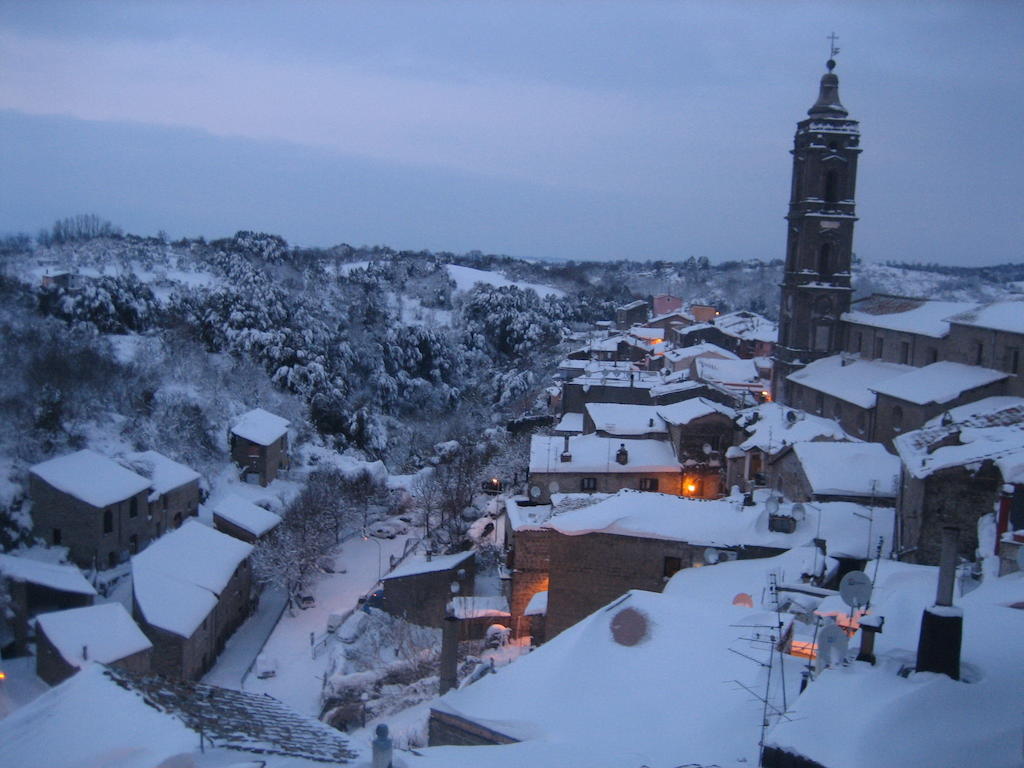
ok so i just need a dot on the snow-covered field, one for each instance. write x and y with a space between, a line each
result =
466 277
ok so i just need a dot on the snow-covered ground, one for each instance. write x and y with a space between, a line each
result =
299 678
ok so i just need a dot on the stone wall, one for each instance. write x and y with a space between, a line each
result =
263 460
530 563
80 525
421 598
605 482
446 729
189 658
949 497
590 570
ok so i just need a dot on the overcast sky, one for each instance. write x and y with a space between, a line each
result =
554 129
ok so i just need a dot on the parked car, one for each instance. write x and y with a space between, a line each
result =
265 667
388 529
305 600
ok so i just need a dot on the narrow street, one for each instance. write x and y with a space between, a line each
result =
299 676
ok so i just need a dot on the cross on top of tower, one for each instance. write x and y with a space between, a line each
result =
832 51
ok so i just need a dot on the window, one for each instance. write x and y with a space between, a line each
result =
878 347
111 560
133 544
897 419
164 499
860 342
56 538
108 521
904 352
133 507
671 566
837 410
177 519
1012 363
931 356
862 422
979 352
588 484
824 262
831 187
819 403
648 483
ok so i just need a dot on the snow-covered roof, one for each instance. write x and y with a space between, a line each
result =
620 378
937 383
90 720
478 607
675 315
848 378
66 578
647 333
686 411
727 372
108 717
178 578
538 605
523 514
990 429
722 522
591 453
849 469
246 515
260 426
91 477
671 387
570 422
623 419
584 699
902 313
858 715
164 474
1005 315
772 427
418 564
704 349
747 325
103 633
633 304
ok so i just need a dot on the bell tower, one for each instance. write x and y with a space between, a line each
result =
816 284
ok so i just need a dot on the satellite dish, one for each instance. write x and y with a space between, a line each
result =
855 589
798 511
712 556
832 644
455 588
707 449
553 486
535 491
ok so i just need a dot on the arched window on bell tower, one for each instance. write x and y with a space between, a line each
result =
831 187
825 259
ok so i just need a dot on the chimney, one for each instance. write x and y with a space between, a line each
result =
85 652
938 649
449 651
622 455
383 748
566 456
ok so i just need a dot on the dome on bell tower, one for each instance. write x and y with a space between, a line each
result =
828 104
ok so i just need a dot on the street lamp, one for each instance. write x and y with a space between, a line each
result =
380 572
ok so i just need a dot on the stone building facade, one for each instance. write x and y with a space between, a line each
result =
419 591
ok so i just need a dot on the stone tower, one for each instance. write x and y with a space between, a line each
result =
816 285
